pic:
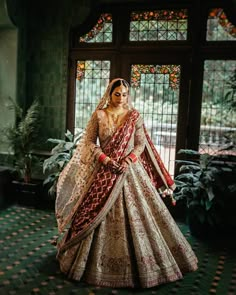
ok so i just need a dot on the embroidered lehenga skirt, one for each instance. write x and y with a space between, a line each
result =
137 244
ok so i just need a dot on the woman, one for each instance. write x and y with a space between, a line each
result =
120 232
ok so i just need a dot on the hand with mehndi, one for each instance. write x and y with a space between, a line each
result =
124 165
113 165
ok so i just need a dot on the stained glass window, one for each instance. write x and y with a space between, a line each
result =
155 93
101 32
218 115
158 25
91 82
219 28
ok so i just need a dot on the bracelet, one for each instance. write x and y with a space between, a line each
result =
106 160
102 157
133 157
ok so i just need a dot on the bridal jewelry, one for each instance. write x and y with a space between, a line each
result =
115 119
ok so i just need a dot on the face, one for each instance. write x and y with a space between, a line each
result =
119 96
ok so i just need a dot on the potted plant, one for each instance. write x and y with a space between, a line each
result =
207 186
60 156
22 139
22 136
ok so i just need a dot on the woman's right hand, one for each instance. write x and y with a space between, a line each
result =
113 165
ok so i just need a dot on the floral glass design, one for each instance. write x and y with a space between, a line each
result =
218 114
170 73
219 28
101 32
91 81
155 93
158 25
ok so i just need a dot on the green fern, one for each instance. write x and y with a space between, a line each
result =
22 135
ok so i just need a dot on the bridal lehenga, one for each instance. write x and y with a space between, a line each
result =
116 229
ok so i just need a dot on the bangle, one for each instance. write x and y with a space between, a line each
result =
106 160
102 157
133 157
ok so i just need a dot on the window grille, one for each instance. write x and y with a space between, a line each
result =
219 28
158 25
155 93
91 82
101 32
218 115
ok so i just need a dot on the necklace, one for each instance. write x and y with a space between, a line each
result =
115 119
116 113
116 116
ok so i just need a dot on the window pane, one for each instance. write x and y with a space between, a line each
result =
218 115
155 93
218 26
91 82
101 32
158 25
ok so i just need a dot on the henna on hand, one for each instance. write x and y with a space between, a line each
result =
113 165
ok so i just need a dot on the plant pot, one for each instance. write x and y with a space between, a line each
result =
7 174
27 194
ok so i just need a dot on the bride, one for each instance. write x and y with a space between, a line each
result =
117 231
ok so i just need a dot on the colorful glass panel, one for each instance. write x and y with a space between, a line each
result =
170 72
155 93
101 32
218 115
219 28
91 82
158 25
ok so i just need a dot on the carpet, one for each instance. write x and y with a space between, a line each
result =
28 264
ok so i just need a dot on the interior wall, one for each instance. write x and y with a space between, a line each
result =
48 27
8 69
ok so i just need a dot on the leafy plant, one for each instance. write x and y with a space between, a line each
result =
22 137
60 156
207 186
230 96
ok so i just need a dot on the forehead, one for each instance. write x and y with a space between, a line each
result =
120 89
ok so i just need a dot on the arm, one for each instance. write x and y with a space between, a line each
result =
92 135
139 145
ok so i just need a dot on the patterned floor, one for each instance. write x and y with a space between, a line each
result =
28 265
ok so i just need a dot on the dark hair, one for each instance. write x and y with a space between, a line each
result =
119 83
